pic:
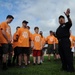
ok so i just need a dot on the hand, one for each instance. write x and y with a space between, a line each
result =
67 12
9 40
41 48
33 48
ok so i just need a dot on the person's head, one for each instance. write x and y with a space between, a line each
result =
17 28
36 29
54 33
9 18
24 23
61 19
28 27
41 33
51 32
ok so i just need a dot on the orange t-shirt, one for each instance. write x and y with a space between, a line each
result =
7 30
50 39
43 40
37 41
15 43
56 40
0 37
24 36
30 39
72 39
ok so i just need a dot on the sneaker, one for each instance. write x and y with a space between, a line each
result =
34 63
39 63
4 68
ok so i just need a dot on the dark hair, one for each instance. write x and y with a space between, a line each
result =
51 31
41 33
28 27
54 33
17 27
36 28
61 16
9 16
24 21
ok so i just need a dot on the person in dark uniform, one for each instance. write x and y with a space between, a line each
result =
64 44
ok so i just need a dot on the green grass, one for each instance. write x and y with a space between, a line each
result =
47 68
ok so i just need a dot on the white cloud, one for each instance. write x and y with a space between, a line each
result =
7 5
41 13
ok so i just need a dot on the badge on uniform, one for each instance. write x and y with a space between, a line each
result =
63 26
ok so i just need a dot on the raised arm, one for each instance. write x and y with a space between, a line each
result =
67 13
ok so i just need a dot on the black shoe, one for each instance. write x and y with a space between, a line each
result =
4 68
34 63
71 71
39 63
63 69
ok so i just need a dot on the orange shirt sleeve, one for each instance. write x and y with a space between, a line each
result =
3 26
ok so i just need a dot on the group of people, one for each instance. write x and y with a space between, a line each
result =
23 43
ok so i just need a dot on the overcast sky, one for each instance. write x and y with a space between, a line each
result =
41 13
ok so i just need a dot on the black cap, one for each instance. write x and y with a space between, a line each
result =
61 16
24 21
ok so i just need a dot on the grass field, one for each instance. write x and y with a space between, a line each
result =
47 68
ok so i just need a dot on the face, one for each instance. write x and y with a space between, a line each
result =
24 25
37 30
51 33
61 20
9 20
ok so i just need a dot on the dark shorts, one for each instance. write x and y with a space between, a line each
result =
7 48
50 49
43 50
30 51
56 49
10 48
23 50
1 50
16 51
37 53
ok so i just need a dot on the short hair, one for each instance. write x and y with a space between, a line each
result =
41 32
61 16
24 21
28 27
51 31
17 27
36 28
9 16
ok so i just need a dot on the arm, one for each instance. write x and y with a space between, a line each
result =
67 13
4 34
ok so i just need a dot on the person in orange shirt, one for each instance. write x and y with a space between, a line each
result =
6 39
72 39
23 35
37 46
51 44
15 46
0 51
30 49
56 53
43 44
